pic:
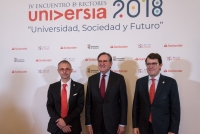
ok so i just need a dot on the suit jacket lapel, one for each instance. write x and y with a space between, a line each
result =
109 84
146 88
160 87
57 93
97 81
72 92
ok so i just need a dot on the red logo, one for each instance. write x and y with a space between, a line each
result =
90 59
14 48
19 72
43 60
113 46
120 71
140 59
69 14
174 71
68 47
173 45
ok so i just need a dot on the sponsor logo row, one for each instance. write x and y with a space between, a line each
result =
93 71
168 58
40 71
165 71
97 47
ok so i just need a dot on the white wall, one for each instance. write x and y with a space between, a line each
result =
23 94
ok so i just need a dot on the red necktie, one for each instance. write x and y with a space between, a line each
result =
102 86
151 95
64 104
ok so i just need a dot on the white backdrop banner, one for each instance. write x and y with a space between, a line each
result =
37 34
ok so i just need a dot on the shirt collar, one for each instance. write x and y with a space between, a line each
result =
68 83
156 78
107 74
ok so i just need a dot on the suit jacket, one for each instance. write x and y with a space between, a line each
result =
76 104
165 108
112 109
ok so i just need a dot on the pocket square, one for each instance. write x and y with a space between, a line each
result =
75 94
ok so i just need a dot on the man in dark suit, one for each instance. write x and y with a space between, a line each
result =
156 106
106 100
65 102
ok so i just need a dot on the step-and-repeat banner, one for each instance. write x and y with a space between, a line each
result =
36 34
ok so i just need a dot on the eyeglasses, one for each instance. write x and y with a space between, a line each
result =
151 64
64 69
104 61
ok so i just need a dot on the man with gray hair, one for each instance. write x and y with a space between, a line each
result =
65 102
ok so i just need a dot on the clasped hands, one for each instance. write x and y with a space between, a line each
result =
62 125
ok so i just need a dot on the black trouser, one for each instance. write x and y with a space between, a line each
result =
102 129
150 128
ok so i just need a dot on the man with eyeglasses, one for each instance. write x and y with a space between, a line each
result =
65 102
156 105
106 100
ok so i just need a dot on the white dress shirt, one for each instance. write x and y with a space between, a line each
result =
106 78
156 81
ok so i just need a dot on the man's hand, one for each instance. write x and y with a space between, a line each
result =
136 131
61 123
120 130
170 133
66 129
89 129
